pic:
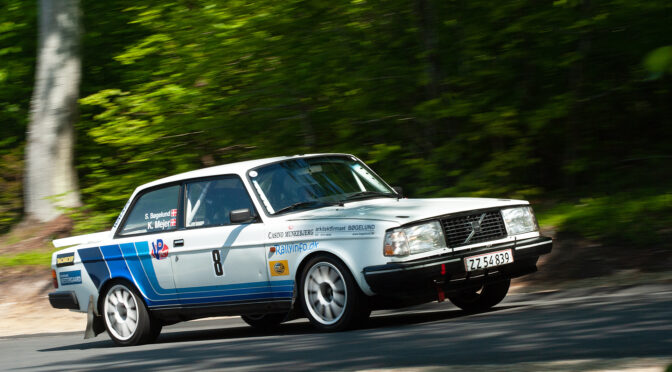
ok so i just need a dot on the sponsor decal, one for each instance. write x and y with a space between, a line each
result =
362 229
66 259
173 222
159 250
173 213
298 233
369 227
295 248
326 230
291 233
279 268
276 235
330 229
70 277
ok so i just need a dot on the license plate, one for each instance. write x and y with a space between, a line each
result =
484 261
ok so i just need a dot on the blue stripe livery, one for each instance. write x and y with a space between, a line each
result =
94 265
133 262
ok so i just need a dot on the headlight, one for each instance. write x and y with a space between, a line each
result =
519 220
414 239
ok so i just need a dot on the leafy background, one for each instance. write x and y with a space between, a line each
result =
565 103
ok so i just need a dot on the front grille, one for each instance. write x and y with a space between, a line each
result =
458 229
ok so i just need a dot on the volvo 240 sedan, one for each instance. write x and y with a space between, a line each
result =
317 236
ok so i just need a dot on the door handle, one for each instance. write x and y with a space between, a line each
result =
178 243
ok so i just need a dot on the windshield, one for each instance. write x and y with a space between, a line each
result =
315 182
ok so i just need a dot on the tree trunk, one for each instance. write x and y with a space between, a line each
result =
427 18
50 178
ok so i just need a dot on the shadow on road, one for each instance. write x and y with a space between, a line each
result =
592 330
301 327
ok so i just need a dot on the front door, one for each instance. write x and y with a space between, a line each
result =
214 261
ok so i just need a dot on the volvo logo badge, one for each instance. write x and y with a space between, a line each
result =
475 228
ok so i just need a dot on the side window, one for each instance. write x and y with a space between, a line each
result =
210 202
155 211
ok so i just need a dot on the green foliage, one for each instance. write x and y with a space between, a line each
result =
11 168
17 53
524 99
659 61
635 219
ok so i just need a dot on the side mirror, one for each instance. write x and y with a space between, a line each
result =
398 190
241 216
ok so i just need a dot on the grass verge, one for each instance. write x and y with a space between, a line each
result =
32 258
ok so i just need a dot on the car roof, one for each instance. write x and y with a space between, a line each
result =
232 168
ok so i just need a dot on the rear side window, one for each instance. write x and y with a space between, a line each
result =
210 202
155 211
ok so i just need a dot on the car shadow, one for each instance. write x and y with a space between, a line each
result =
296 327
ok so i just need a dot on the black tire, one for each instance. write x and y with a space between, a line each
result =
330 297
264 322
155 327
121 303
472 301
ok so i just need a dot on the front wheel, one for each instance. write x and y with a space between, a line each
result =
473 301
330 297
126 318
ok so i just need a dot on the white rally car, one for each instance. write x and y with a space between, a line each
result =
320 236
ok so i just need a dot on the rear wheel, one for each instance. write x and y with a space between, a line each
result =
126 318
264 321
330 297
473 301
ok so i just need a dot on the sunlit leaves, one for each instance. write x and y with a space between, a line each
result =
659 61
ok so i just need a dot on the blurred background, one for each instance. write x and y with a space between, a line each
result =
565 103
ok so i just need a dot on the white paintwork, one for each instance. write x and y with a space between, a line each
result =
242 255
353 232
82 239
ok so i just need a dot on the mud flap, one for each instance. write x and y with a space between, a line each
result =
94 322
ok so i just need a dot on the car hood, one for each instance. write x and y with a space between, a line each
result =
402 211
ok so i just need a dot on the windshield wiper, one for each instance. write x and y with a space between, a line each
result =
301 204
363 194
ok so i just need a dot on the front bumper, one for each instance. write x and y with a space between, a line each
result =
64 300
448 273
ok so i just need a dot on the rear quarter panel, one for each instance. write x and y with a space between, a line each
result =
72 276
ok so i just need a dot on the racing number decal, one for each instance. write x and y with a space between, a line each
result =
217 260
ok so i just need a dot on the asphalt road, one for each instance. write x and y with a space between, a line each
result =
580 329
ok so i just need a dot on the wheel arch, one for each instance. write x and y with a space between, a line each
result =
345 259
121 280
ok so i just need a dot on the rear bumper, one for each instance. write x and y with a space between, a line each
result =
64 300
447 272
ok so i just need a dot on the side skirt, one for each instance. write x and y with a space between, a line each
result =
174 314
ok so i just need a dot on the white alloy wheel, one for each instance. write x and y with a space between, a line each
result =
121 312
325 293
